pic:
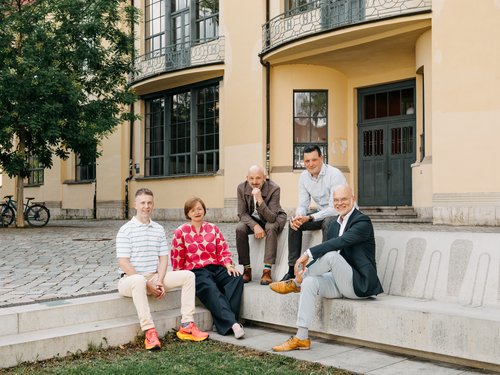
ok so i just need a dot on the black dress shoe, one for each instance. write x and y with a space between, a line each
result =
287 277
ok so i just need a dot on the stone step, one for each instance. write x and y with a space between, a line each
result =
61 313
60 341
398 219
45 330
392 214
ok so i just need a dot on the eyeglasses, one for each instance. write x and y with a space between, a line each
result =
341 200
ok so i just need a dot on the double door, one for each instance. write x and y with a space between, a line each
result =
386 136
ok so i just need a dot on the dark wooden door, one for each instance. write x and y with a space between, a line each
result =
386 146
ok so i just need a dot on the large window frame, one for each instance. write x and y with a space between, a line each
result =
182 131
36 172
310 123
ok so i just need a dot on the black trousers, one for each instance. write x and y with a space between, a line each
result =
295 237
221 295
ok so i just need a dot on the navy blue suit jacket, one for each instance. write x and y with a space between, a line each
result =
358 249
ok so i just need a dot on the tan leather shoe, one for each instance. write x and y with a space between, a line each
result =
266 278
293 343
247 275
285 287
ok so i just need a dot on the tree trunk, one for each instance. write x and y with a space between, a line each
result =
20 199
20 191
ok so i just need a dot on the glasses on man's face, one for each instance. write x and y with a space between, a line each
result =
341 200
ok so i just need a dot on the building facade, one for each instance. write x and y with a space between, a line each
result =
399 94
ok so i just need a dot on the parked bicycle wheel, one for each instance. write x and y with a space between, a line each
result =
37 215
6 215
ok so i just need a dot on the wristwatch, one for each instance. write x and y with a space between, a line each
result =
311 218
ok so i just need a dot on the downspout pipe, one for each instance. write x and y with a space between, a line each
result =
131 139
267 66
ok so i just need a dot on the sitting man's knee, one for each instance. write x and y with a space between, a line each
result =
241 228
137 281
272 227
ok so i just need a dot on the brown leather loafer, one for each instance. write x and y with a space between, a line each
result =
285 287
266 278
293 343
247 275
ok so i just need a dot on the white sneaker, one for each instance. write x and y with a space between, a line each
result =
238 330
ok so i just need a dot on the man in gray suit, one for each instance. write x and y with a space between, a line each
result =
260 213
342 266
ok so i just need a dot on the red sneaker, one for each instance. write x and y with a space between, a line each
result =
191 333
151 341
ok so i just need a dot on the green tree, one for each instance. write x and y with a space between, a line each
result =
64 66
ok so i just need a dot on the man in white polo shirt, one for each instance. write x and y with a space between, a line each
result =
142 252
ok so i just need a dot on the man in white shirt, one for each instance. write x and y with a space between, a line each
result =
317 182
142 252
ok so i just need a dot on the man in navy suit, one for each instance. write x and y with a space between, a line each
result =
342 266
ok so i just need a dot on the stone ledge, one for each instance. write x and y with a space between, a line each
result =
443 296
430 329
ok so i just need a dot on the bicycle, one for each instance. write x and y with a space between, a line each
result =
36 214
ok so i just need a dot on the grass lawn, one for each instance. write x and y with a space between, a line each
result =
175 357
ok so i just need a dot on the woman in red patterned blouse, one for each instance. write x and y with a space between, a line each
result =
200 247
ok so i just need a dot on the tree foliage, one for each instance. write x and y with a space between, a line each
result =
64 66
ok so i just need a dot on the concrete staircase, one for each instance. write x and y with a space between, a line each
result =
392 214
45 330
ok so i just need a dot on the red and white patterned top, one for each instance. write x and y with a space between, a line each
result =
196 250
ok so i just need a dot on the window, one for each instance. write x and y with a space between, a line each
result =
182 132
396 102
154 15
168 22
207 19
35 176
310 114
298 6
84 172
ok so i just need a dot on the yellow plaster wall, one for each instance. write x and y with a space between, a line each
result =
173 192
466 109
110 175
242 99
422 169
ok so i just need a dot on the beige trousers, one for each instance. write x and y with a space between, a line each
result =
135 286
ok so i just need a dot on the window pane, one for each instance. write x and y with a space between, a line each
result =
407 101
381 101
302 126
302 101
369 107
318 133
394 103
210 162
